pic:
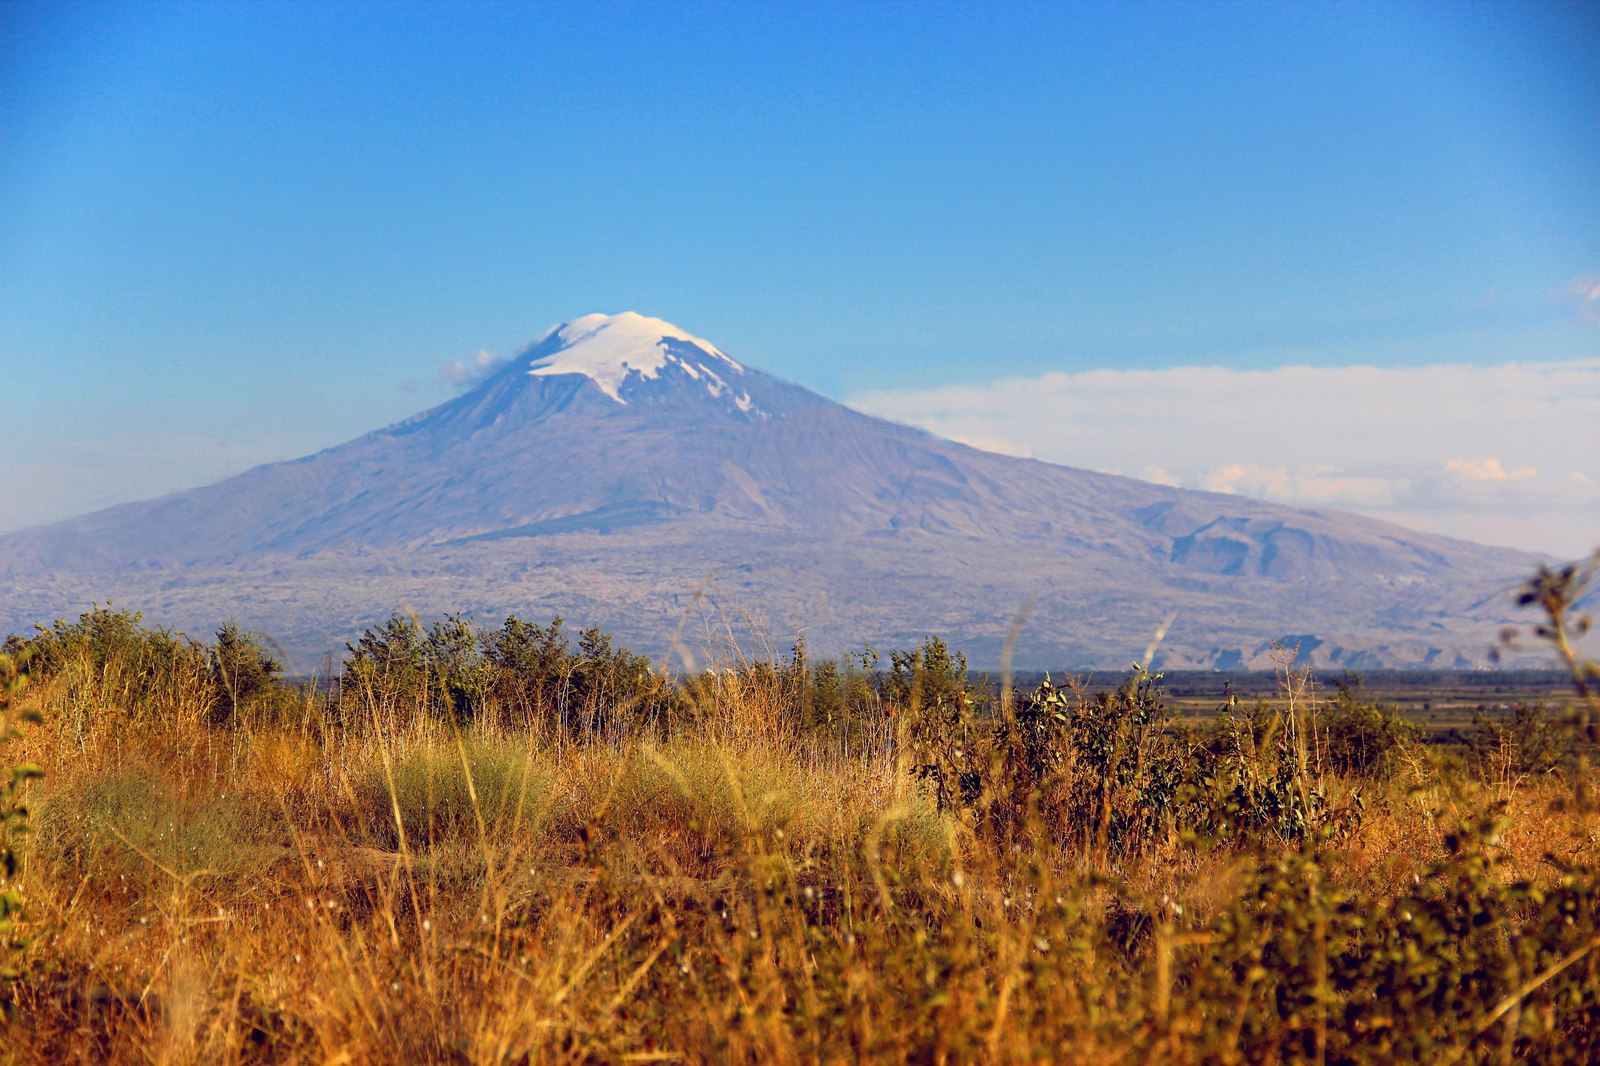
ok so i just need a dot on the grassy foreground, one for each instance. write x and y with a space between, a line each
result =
382 873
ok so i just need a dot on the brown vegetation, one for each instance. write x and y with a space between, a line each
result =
773 862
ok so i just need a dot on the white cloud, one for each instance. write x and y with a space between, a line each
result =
1452 448
988 442
1323 484
465 374
1585 292
1488 469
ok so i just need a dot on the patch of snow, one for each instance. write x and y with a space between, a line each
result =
716 386
607 348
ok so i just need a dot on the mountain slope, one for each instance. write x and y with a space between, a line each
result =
617 462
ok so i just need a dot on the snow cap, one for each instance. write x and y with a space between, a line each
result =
608 348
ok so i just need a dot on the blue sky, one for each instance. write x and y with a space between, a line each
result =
236 232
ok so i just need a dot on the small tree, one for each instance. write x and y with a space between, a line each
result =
928 689
459 674
530 668
243 670
387 670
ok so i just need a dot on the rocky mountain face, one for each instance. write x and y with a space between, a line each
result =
624 473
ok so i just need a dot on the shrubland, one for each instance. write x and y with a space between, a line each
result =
505 845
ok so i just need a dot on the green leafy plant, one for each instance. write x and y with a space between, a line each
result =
14 819
1260 780
1102 771
1531 739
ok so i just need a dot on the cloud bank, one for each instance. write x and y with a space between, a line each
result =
1506 454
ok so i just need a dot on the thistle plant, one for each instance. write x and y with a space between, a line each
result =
1562 593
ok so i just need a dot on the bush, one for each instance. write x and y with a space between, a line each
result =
1101 772
839 698
15 822
109 661
1529 740
1315 969
531 667
1255 780
523 675
441 793
1360 738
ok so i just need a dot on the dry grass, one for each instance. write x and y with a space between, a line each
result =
296 891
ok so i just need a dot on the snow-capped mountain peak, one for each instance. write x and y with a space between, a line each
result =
609 349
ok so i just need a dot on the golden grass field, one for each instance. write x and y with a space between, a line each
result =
347 875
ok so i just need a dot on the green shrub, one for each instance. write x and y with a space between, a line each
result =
1361 739
1302 967
839 699
941 735
109 661
1102 772
531 672
1254 781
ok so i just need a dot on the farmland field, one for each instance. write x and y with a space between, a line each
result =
1437 702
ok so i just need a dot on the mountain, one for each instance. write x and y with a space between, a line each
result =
625 473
